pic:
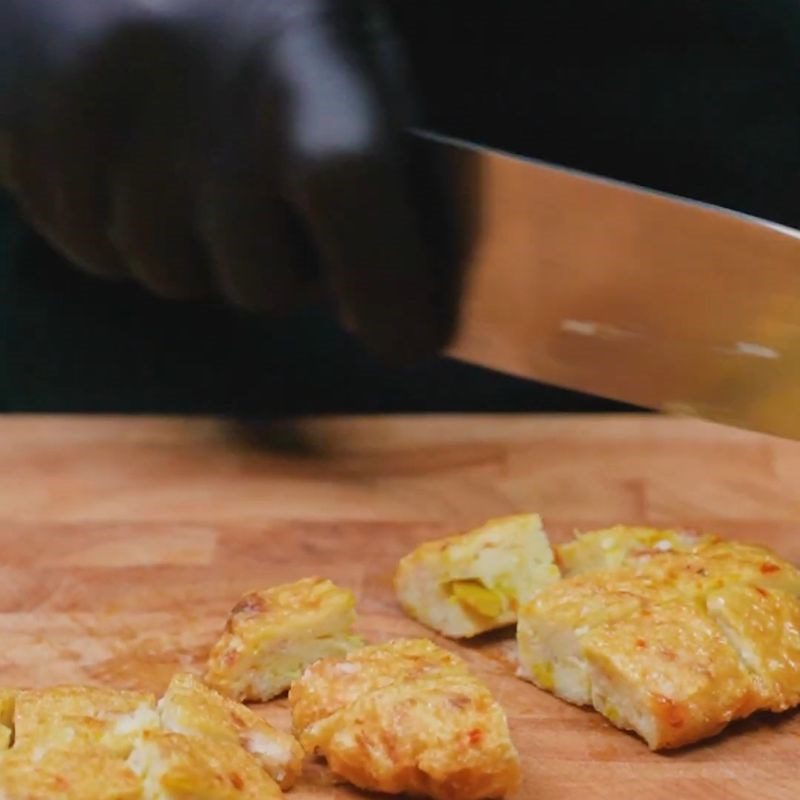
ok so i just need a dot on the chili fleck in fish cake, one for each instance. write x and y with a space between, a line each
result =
272 635
465 585
674 645
406 717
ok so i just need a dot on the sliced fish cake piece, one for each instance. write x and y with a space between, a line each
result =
763 626
82 717
444 737
172 766
89 701
676 555
711 566
193 709
553 626
672 645
63 775
333 683
609 548
669 674
465 585
748 563
273 635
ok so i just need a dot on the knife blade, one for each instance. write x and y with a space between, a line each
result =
635 295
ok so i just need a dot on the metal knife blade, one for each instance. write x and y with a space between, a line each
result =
614 290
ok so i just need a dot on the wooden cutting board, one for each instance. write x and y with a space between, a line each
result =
125 542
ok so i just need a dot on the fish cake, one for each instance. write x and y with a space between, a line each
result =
763 625
445 738
609 548
193 709
82 717
553 625
669 674
60 774
681 556
172 766
737 562
333 683
465 585
76 701
673 645
406 717
273 635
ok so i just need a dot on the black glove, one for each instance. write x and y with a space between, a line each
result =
248 148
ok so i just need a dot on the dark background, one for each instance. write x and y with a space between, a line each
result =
697 98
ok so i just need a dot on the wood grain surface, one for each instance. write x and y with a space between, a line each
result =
125 542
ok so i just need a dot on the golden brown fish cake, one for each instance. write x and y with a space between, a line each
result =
273 635
406 716
609 548
465 585
75 734
443 737
63 776
172 766
553 625
738 601
713 565
191 708
78 701
719 564
748 563
333 683
676 555
82 717
669 674
763 625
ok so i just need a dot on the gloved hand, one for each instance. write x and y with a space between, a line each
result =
248 148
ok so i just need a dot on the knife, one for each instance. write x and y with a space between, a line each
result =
630 294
